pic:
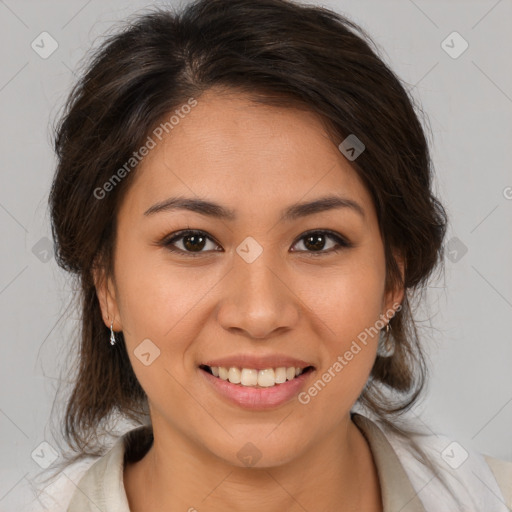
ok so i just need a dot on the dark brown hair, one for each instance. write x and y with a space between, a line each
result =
280 53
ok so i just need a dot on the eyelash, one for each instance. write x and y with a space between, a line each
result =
342 243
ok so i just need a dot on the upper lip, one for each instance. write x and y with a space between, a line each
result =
257 362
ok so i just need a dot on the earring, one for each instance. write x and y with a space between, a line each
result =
386 347
112 334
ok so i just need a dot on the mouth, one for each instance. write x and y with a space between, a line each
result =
256 378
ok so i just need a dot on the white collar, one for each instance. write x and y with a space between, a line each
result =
406 484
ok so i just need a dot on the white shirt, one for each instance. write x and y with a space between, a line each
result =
480 483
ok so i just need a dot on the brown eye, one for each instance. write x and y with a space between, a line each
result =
192 242
195 243
317 241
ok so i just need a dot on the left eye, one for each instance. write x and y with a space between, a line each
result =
316 241
193 242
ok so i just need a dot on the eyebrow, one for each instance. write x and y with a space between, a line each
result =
218 211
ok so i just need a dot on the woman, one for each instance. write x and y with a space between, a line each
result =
244 194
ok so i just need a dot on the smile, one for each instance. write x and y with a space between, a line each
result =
256 389
251 377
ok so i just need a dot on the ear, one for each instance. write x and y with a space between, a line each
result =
393 298
106 293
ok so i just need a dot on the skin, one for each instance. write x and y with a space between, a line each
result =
255 160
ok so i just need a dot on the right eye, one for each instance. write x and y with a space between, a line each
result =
192 241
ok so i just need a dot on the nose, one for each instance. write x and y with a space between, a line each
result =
259 300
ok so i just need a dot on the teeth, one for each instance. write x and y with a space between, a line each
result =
280 374
234 375
263 378
249 377
266 378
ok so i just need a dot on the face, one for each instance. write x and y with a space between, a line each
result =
256 289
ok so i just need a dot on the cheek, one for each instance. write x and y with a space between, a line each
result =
158 318
349 310
159 299
350 298
348 304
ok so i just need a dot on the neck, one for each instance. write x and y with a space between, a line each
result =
337 473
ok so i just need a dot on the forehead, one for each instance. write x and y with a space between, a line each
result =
242 154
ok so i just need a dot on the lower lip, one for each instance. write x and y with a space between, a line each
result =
257 398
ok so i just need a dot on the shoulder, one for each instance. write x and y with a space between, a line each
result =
102 482
502 470
463 476
93 475
54 493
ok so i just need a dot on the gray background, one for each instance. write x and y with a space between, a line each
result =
468 101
